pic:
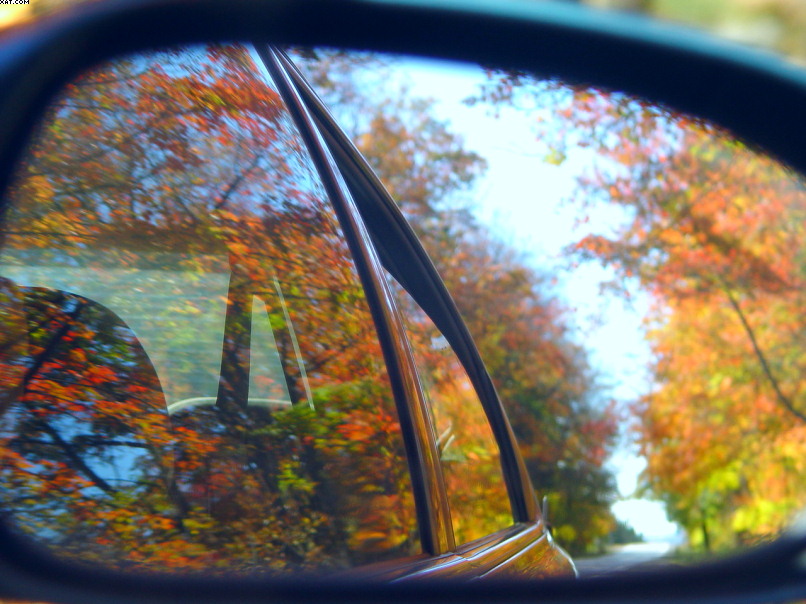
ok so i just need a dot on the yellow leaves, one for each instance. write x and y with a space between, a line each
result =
39 187
555 157
564 533
78 356
713 427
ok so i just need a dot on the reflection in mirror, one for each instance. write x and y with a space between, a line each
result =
192 380
634 280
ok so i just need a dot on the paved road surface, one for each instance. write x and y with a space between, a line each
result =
621 557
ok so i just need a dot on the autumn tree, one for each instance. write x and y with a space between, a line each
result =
713 232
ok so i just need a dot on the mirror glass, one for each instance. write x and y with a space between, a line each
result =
192 380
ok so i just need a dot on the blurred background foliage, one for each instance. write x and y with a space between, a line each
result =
776 25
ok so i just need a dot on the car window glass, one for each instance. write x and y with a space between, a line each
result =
468 452
192 376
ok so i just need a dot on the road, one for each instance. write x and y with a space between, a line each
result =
622 557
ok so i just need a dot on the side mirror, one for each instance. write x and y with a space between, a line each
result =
685 73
